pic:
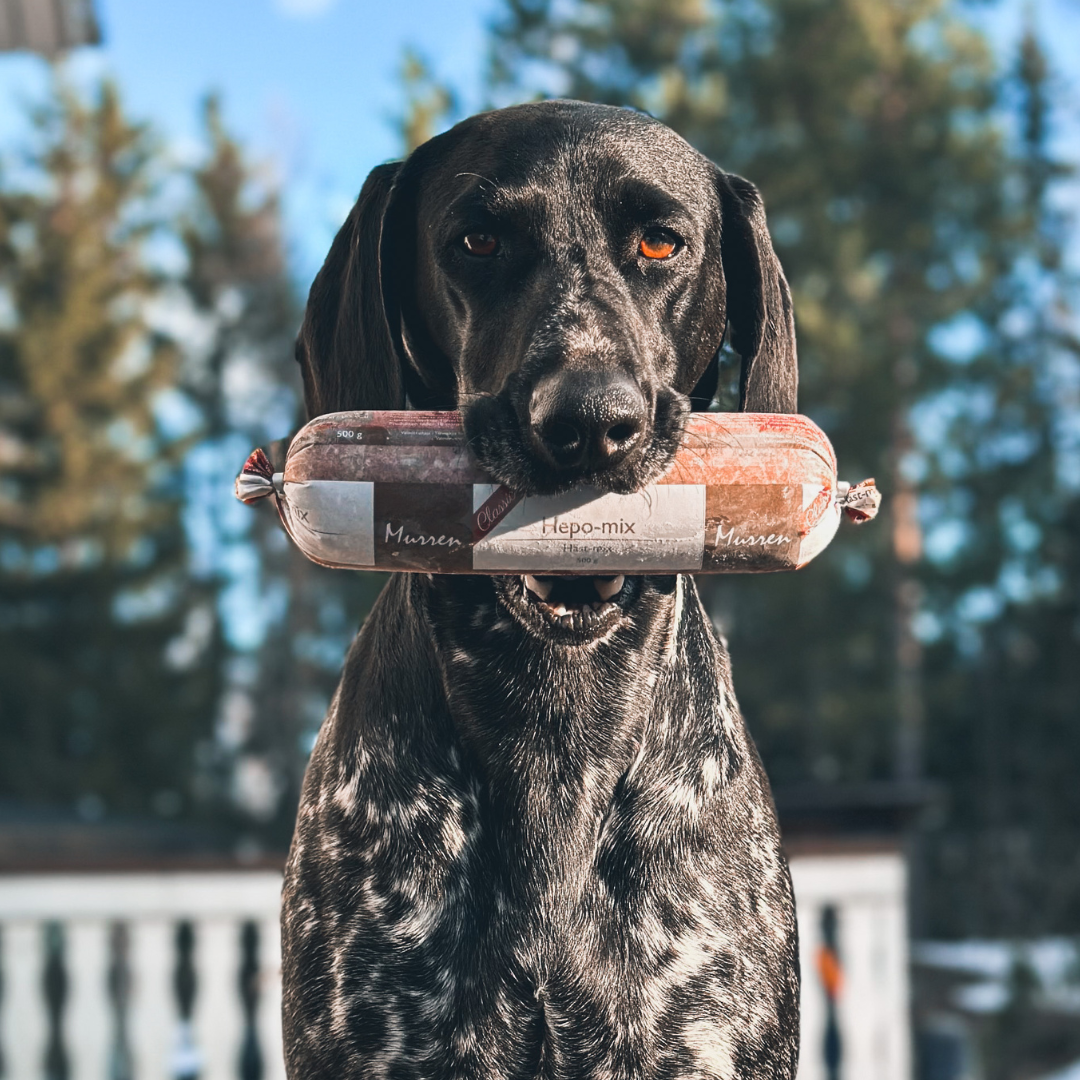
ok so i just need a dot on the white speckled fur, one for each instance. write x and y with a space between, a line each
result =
495 904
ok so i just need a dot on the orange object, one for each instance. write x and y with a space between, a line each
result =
399 491
830 972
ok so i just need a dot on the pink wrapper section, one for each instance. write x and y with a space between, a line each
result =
400 491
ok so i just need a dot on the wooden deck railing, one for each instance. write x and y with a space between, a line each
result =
133 976
176 975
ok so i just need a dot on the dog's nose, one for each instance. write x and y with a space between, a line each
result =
582 421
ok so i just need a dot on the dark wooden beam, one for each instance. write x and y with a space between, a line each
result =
48 27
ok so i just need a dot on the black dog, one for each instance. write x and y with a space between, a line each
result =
535 839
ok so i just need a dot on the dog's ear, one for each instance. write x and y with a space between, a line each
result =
345 349
759 309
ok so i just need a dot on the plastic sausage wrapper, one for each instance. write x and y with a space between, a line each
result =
747 492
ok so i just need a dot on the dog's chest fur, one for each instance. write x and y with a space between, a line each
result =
511 864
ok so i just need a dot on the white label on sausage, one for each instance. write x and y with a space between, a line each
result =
660 528
333 520
823 529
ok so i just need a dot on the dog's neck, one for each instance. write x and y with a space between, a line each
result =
551 728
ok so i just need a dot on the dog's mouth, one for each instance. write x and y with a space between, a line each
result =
570 608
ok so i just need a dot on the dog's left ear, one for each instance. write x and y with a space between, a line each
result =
759 311
345 349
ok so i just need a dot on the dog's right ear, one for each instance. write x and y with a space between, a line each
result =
345 348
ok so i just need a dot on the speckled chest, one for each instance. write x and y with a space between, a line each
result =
484 890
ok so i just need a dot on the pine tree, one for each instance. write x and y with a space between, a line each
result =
1005 689
428 102
916 240
102 691
288 622
239 372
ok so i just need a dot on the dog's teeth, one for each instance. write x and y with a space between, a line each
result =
560 610
608 587
542 589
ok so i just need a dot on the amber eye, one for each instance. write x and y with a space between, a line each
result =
481 244
657 245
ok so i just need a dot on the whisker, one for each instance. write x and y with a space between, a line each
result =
482 179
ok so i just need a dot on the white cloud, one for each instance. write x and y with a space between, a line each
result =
304 9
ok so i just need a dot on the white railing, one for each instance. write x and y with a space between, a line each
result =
141 976
172 975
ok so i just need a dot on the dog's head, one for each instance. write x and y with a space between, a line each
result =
563 273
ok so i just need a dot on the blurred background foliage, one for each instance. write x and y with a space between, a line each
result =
910 191
164 652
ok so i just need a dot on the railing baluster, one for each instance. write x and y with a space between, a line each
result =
186 1059
269 1019
831 980
219 1021
54 985
152 1015
812 1010
119 985
24 1031
87 1015
251 1064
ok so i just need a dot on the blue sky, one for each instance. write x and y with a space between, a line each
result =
310 86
